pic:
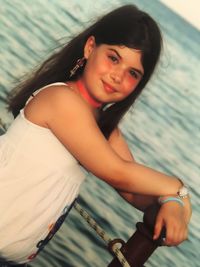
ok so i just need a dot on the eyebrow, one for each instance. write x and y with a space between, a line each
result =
137 70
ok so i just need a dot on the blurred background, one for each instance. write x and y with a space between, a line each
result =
162 129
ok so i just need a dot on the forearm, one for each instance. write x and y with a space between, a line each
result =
135 178
141 202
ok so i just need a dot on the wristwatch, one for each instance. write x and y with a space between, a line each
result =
183 192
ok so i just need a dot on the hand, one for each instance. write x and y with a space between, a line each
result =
187 209
172 216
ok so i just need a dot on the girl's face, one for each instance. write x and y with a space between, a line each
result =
112 72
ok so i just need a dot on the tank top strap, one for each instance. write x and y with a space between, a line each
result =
39 90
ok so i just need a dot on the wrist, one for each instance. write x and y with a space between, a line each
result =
172 198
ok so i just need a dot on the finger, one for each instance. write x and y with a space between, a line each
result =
157 228
181 236
176 238
174 235
170 235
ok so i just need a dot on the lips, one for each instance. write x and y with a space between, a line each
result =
108 88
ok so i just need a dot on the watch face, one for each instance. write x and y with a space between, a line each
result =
183 192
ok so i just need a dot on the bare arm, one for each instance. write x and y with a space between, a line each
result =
171 216
119 145
73 123
139 201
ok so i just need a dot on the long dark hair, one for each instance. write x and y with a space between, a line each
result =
127 26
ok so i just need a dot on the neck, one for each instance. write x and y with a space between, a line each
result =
84 93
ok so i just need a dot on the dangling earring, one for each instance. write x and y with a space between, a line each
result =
80 62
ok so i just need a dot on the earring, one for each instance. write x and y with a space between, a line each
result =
80 62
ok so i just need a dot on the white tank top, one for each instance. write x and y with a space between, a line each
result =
39 180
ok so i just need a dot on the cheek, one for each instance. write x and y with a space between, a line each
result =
103 65
98 66
130 84
95 68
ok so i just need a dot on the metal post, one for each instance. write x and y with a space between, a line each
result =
140 246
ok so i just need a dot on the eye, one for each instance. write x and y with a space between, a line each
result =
134 74
113 58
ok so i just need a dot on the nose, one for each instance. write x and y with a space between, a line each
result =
117 75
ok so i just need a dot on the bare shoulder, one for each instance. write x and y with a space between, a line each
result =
66 112
65 102
57 95
54 101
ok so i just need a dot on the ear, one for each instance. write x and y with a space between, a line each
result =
89 46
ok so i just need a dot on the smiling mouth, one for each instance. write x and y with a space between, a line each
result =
109 89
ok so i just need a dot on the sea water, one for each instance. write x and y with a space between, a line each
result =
162 129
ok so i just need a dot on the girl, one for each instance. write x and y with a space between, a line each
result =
66 118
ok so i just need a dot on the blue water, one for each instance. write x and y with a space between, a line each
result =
162 130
